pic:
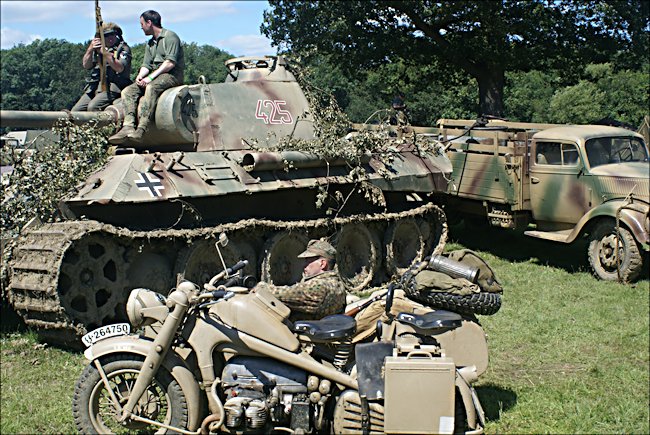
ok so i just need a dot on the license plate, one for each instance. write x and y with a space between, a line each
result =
105 332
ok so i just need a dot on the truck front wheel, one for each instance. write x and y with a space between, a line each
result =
605 260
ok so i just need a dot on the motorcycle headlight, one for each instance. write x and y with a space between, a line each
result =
145 307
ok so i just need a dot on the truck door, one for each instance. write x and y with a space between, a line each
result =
558 192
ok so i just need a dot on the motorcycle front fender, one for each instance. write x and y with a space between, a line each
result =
173 363
473 409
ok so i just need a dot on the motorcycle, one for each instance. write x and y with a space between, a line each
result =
226 359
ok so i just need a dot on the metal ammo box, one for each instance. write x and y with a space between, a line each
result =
430 384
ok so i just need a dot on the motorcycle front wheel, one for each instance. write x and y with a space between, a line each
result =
92 404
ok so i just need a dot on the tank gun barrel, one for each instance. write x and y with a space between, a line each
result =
35 119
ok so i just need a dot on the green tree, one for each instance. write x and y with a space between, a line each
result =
431 91
44 75
626 92
205 60
603 93
528 95
483 39
579 104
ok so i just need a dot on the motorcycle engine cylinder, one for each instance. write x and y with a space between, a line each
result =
256 414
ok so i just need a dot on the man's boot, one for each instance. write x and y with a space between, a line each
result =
136 136
119 137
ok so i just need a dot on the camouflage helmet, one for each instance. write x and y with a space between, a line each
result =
319 248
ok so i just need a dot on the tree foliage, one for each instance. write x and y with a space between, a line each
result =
44 75
47 74
483 39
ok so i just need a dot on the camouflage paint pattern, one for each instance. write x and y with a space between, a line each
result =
312 298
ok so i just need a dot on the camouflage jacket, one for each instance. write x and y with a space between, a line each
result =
312 298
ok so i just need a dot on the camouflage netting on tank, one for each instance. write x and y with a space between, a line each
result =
41 178
334 139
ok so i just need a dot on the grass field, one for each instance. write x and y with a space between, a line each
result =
568 353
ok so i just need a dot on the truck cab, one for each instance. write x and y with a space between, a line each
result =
578 168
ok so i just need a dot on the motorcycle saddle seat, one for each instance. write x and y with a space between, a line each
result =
439 319
331 328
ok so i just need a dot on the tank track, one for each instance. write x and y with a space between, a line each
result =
50 264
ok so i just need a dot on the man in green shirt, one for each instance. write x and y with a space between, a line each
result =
162 68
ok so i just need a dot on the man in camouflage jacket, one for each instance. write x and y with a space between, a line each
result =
320 293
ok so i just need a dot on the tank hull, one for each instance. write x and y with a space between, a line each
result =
149 216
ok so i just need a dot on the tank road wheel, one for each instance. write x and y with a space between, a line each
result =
358 256
200 261
603 256
281 265
92 406
434 230
404 245
93 281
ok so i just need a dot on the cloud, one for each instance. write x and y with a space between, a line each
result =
27 11
171 11
11 38
247 45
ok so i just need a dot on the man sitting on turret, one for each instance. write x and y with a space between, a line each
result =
117 56
162 68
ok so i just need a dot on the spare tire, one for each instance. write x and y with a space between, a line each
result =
477 303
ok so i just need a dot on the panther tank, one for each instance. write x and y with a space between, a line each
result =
150 215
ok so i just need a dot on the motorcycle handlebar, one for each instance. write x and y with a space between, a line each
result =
240 265
229 271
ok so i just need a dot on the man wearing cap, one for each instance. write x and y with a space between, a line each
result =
117 56
320 293
162 68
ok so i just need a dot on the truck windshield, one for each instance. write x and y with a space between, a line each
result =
606 150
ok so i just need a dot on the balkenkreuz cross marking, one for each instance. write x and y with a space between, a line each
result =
149 183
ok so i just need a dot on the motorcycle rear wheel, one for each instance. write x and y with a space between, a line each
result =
93 409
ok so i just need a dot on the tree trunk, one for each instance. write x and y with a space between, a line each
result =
490 91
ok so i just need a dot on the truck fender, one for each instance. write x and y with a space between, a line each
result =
634 216
172 362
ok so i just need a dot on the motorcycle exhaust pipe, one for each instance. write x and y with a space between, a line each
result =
453 268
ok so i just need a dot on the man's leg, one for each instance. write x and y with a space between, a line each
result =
147 106
130 96
82 104
101 101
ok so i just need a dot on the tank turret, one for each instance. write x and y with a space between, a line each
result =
208 164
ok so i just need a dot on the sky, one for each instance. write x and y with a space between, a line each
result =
232 26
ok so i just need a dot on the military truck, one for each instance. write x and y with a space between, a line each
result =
556 182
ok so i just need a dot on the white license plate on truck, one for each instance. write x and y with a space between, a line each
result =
104 332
